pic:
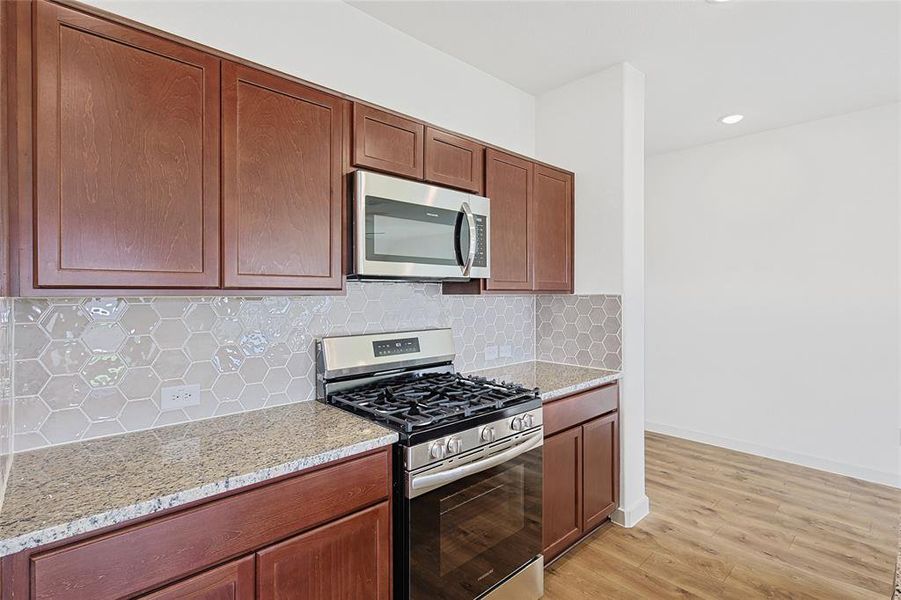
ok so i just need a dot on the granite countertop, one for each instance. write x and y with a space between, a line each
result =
553 379
62 491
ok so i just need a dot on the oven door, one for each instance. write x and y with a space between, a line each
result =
406 229
467 534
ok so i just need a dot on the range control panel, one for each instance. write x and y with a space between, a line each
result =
396 346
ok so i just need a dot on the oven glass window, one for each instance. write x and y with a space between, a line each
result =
479 517
467 536
410 233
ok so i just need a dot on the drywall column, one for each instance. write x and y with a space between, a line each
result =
594 126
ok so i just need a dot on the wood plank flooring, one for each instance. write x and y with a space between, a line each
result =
727 525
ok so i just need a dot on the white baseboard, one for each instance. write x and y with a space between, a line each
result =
822 464
630 516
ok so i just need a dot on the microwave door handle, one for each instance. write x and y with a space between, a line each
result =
420 484
471 222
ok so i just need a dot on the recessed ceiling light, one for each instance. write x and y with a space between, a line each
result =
731 119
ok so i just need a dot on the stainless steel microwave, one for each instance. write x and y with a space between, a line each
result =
410 230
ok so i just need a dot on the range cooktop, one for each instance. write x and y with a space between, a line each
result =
415 402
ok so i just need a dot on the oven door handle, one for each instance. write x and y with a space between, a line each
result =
422 483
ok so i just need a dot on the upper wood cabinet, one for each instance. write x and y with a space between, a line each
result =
281 178
552 234
126 156
387 142
454 161
305 567
509 189
231 581
143 164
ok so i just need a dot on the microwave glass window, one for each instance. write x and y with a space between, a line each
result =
403 238
411 233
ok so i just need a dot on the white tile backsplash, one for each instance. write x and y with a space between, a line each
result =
580 330
89 367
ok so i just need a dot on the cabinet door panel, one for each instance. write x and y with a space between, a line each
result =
281 163
386 142
127 156
453 161
552 239
508 186
600 460
562 510
349 558
231 581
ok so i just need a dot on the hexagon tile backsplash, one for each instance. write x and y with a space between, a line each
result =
90 367
580 330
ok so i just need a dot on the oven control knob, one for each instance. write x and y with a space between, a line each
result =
516 424
528 420
454 445
436 450
488 434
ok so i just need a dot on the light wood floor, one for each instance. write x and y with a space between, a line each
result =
729 525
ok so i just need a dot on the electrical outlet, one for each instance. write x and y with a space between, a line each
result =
490 352
506 351
179 396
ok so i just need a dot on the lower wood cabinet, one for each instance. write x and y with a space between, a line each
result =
562 502
320 534
600 469
231 581
581 467
349 558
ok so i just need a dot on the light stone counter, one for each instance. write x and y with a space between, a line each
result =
554 380
62 491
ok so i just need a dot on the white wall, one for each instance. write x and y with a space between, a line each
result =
772 293
335 45
595 127
579 126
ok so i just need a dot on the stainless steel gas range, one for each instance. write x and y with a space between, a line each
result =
467 469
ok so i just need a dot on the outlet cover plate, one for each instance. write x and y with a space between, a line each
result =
179 396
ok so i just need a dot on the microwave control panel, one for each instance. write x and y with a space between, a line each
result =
481 258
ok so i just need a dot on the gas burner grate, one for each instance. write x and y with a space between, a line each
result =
415 401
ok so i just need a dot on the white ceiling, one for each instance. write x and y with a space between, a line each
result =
778 63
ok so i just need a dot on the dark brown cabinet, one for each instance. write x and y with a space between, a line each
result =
143 164
126 156
281 176
305 567
509 189
531 227
454 161
552 234
600 469
231 581
386 142
562 498
321 533
581 466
